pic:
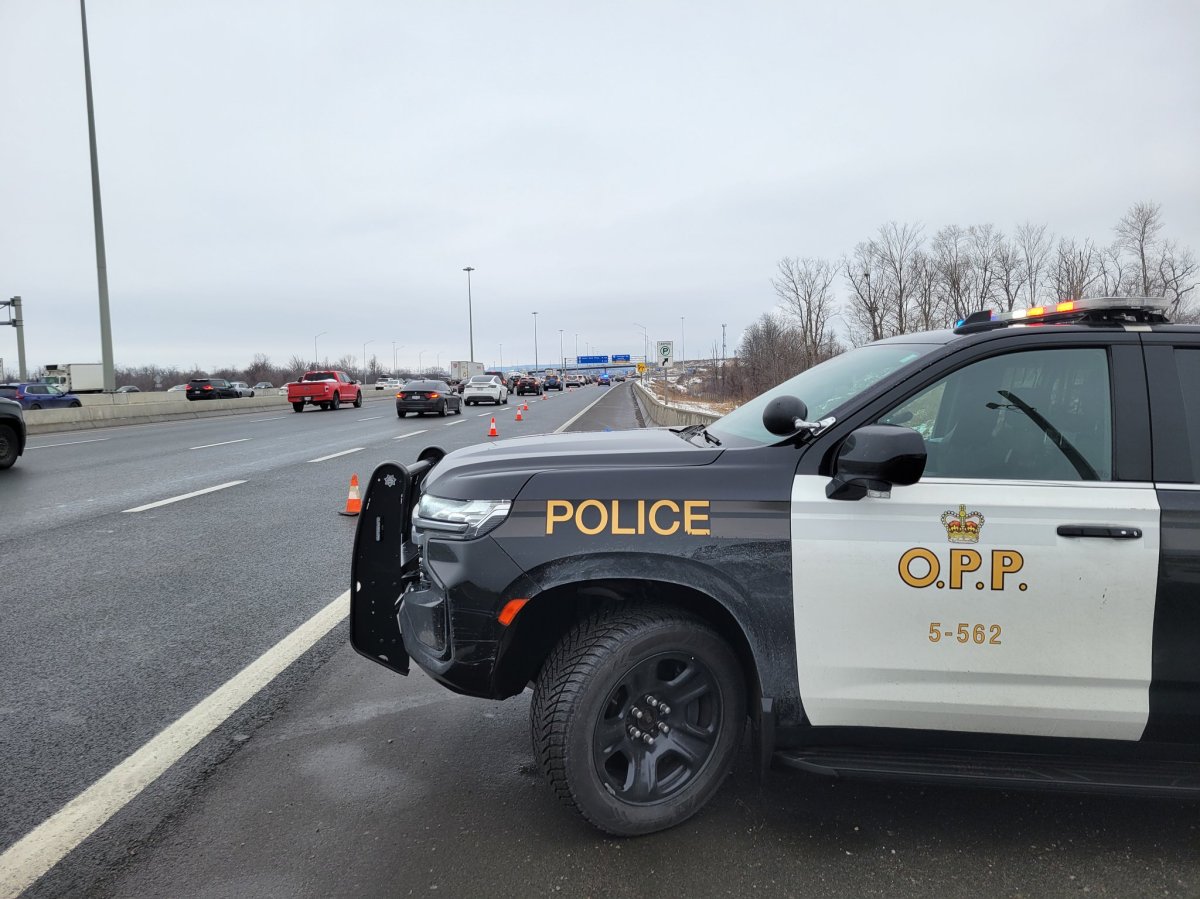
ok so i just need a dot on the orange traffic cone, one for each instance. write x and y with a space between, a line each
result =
354 500
525 406
519 414
492 432
544 395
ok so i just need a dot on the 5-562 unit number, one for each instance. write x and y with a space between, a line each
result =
988 634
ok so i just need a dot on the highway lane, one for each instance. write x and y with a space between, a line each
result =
117 622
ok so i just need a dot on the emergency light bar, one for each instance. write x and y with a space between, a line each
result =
988 318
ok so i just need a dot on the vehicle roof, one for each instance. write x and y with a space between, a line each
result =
946 335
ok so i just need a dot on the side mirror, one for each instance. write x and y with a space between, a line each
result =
433 454
782 413
874 458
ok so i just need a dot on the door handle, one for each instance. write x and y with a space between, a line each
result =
1112 532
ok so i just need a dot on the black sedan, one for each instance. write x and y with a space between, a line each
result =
211 389
428 396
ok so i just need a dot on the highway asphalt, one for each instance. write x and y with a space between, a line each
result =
341 778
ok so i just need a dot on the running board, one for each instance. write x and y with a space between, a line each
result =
1015 771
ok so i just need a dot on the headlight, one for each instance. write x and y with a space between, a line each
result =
462 519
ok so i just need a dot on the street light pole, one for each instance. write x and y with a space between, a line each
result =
501 357
316 358
645 342
535 351
106 349
561 358
365 370
682 342
420 362
470 313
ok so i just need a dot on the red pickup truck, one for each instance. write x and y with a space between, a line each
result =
327 389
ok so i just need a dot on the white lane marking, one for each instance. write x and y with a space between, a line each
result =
447 424
48 843
176 499
272 418
71 443
222 443
411 434
371 418
486 414
357 449
579 414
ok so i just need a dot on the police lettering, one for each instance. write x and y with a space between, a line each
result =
663 517
920 567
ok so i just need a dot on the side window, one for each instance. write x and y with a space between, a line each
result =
1187 362
1041 415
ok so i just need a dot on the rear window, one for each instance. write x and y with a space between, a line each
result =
482 379
8 392
320 376
199 382
423 385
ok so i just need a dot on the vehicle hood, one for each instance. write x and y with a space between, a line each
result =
499 470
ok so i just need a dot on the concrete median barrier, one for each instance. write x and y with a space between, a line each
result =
656 411
107 410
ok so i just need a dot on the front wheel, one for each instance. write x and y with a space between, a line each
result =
8 447
75 404
636 717
358 400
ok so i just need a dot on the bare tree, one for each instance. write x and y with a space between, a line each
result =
1177 273
296 366
895 249
868 311
1113 277
1137 234
984 242
805 289
928 311
1010 274
770 352
951 257
1075 268
1034 245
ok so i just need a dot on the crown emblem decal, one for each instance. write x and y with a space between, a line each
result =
962 526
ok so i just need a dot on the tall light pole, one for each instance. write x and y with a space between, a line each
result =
645 342
535 352
561 358
470 313
502 357
316 358
365 370
395 358
437 366
420 362
576 351
682 342
106 350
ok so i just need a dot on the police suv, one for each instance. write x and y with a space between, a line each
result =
964 556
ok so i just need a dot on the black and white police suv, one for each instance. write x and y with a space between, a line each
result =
965 556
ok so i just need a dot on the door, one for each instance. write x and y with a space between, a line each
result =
1011 590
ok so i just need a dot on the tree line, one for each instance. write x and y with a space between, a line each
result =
905 279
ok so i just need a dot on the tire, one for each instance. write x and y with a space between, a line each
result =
358 400
505 400
297 407
442 411
582 716
400 414
336 402
8 447
33 406
75 404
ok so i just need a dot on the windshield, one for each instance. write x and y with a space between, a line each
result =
823 388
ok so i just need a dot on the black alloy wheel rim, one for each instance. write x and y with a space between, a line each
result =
658 728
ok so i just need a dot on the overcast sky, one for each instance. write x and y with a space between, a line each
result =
271 170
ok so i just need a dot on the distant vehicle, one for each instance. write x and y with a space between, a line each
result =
604 380
264 385
12 432
128 388
552 382
388 384
512 379
529 384
485 389
242 388
327 389
619 377
178 388
75 377
39 396
463 371
574 381
211 389
427 396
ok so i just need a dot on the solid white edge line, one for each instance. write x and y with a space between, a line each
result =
411 434
579 414
222 443
29 446
48 843
357 449
175 499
